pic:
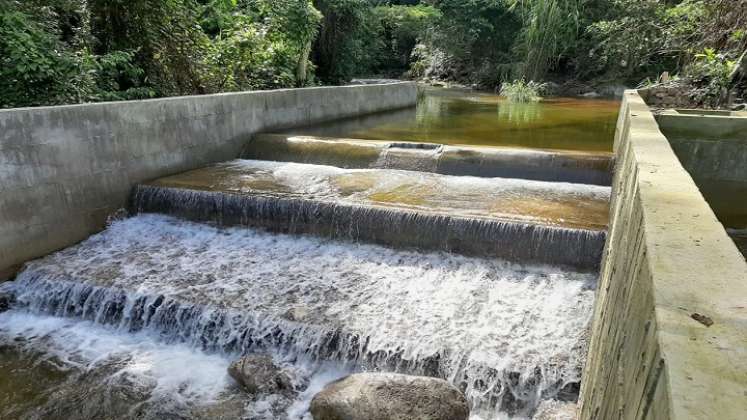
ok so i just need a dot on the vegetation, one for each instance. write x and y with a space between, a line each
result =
522 91
68 51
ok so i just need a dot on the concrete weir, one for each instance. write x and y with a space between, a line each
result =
64 169
232 291
520 220
669 337
488 279
542 165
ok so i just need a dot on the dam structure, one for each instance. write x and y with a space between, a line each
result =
487 264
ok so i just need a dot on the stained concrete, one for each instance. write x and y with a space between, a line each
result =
669 335
711 145
716 159
64 169
714 125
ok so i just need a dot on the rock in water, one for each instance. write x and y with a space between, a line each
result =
6 299
389 396
259 374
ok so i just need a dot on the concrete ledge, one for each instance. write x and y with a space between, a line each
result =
483 161
669 336
711 145
721 125
64 169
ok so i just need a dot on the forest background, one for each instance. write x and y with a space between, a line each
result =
72 51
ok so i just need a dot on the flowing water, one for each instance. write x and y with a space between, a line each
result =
449 116
507 335
487 282
555 223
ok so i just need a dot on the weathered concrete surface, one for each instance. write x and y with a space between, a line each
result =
543 165
714 125
669 337
64 169
712 146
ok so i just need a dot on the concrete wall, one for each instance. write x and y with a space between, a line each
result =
709 146
669 336
64 169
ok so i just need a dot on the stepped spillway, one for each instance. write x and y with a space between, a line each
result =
536 164
510 336
520 220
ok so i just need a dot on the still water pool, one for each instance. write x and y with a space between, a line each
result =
450 116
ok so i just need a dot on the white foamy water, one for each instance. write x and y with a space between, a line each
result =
176 371
501 332
319 180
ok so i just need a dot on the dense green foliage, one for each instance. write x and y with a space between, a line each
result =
62 51
66 51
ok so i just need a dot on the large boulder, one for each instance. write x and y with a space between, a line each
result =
258 373
389 396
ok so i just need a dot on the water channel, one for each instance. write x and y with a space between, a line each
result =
485 281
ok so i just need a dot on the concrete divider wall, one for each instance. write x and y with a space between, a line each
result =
669 335
709 146
64 169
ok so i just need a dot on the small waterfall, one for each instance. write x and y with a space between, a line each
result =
409 156
515 241
238 332
509 336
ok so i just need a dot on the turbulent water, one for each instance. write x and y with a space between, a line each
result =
508 335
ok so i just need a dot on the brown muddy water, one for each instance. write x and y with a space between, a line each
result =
461 117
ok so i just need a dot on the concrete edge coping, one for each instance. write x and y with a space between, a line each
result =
444 147
207 96
690 123
697 273
719 114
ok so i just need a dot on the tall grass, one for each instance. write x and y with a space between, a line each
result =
550 28
522 91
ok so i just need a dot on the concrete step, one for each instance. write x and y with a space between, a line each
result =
543 165
507 335
520 220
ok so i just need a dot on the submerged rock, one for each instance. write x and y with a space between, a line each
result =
379 396
258 374
6 299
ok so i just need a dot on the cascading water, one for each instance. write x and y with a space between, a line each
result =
409 156
143 319
520 220
509 335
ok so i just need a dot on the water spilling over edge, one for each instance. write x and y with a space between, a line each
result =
522 328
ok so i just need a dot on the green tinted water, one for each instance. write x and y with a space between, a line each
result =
471 118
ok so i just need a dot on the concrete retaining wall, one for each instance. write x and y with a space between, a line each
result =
669 336
711 146
64 169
